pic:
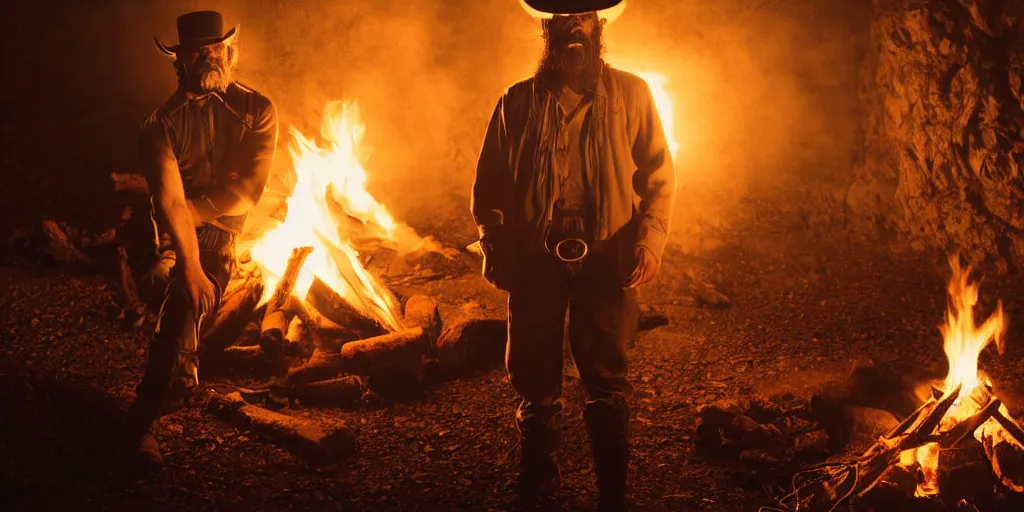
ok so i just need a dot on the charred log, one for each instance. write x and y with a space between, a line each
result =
237 308
354 324
275 321
1003 448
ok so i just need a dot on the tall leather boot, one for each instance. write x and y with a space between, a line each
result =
608 427
539 478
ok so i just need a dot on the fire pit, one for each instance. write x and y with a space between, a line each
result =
964 407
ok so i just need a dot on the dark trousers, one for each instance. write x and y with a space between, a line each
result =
165 383
602 321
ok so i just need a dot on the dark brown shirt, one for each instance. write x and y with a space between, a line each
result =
216 140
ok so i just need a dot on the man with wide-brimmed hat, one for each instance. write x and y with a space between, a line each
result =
573 196
206 154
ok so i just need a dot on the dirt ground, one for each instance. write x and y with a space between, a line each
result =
804 309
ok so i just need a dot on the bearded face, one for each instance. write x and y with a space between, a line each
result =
207 69
573 47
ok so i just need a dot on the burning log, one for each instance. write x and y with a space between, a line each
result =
275 321
1003 440
321 442
340 392
272 331
353 325
237 308
323 332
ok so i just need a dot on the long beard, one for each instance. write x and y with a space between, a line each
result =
561 65
213 74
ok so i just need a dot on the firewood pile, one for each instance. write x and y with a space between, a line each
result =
322 352
827 486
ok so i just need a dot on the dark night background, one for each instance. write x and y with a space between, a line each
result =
831 154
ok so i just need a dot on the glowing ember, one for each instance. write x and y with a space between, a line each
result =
963 341
329 209
663 102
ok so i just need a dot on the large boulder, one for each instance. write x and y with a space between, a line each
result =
945 112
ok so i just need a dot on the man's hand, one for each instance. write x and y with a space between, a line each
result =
646 268
201 291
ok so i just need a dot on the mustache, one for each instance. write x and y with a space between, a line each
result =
211 64
570 35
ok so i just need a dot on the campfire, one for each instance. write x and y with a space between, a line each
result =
329 212
964 406
329 330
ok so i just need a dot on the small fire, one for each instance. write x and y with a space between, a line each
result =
329 209
963 341
665 107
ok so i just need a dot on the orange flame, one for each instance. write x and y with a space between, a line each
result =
663 99
663 103
329 209
963 342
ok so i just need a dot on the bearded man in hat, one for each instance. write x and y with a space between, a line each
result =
573 196
206 155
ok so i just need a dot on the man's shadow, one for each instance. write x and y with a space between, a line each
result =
59 441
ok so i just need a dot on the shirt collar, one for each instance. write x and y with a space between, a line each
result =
200 96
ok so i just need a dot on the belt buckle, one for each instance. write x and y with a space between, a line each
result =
571 250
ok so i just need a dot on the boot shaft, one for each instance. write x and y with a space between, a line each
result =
608 428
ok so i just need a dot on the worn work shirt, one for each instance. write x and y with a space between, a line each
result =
569 159
217 141
627 166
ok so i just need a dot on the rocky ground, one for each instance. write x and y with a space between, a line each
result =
802 312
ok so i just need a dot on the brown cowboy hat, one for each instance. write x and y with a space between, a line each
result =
607 10
196 30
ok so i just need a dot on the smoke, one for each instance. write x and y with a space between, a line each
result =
765 92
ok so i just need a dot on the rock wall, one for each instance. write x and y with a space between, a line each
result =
944 103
